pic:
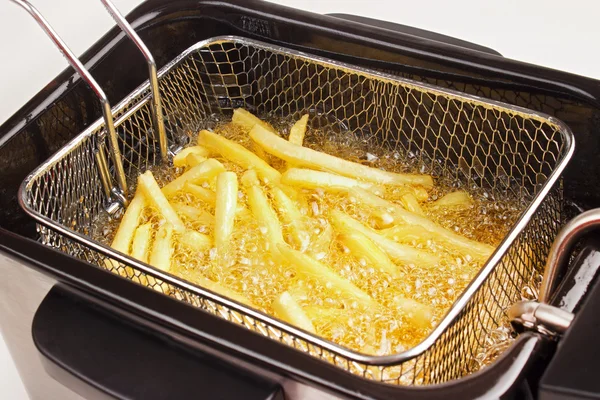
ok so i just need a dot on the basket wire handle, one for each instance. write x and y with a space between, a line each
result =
156 104
87 77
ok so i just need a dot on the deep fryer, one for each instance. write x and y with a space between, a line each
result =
382 66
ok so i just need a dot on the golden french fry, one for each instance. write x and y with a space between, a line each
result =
250 178
382 210
194 214
292 217
162 249
417 313
460 243
226 203
150 188
238 154
246 120
129 223
407 233
262 211
438 233
459 198
419 192
309 267
303 156
363 248
222 290
399 253
209 197
141 242
160 256
140 249
411 203
288 309
206 195
180 158
194 159
420 233
203 171
311 179
195 240
327 314
299 130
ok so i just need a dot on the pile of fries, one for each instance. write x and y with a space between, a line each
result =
331 246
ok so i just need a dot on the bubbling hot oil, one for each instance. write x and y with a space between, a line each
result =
255 273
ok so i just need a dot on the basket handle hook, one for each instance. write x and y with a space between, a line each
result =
156 104
87 77
540 315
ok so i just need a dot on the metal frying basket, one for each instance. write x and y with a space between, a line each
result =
492 145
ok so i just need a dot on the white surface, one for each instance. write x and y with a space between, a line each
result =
552 33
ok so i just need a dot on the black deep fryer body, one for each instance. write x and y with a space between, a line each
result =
89 304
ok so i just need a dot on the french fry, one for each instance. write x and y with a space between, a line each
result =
160 256
288 309
362 248
141 242
194 214
250 178
298 131
419 233
195 240
139 249
305 157
180 158
203 171
382 210
206 195
307 266
129 223
291 215
459 198
222 290
417 313
399 253
238 154
460 243
438 233
226 203
246 120
209 197
311 179
194 159
262 211
162 249
152 192
407 233
419 192
411 203
327 315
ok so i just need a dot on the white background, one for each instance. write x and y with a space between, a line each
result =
554 33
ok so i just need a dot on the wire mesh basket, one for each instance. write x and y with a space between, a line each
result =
491 145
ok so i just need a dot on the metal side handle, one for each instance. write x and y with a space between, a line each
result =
87 77
540 315
156 104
